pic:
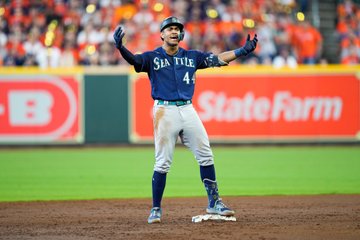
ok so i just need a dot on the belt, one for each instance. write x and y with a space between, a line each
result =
175 103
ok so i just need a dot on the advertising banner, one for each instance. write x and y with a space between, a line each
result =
276 106
40 109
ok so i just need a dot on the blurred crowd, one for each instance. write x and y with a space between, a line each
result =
65 33
348 29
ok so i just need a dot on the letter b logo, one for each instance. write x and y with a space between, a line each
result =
30 108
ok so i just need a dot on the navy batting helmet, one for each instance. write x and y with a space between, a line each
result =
170 21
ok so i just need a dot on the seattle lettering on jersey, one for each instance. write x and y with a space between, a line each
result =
163 62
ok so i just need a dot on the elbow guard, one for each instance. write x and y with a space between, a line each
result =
215 61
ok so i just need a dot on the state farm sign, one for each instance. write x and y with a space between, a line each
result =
282 106
220 107
39 109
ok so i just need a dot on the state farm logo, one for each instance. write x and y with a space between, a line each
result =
39 109
217 106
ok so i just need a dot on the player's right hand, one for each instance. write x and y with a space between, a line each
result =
118 36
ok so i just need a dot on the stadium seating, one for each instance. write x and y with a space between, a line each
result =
65 33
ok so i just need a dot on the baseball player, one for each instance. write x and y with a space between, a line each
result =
171 70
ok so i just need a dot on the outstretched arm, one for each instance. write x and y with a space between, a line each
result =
132 59
249 46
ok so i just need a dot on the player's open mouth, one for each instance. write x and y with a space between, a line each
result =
174 37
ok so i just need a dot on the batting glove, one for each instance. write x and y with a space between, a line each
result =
249 46
118 36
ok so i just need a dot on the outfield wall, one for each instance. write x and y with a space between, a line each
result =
236 103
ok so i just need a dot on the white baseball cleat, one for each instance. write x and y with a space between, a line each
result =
155 215
220 208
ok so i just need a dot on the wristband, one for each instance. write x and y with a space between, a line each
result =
240 52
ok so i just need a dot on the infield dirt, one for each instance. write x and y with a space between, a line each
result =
274 217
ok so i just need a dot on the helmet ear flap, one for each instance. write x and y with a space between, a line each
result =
181 35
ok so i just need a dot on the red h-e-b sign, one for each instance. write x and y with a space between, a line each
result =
39 109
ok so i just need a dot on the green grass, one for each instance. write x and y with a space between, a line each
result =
99 173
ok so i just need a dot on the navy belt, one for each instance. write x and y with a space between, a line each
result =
175 103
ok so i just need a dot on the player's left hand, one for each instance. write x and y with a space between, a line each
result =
250 45
118 36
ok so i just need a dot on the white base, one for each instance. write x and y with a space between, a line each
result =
209 217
